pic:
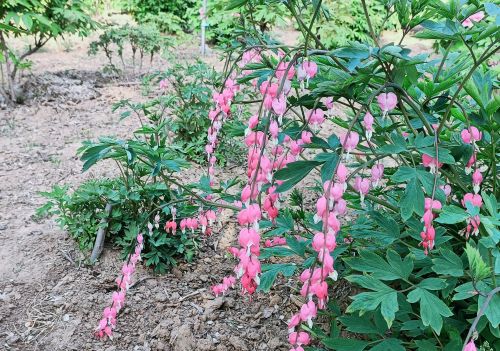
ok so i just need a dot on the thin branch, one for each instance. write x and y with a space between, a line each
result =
479 315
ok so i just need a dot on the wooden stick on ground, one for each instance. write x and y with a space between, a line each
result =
101 234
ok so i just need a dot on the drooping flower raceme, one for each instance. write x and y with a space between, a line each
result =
473 221
108 321
428 233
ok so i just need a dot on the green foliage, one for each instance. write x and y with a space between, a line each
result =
188 97
82 212
223 19
46 19
178 13
42 20
143 196
143 40
165 22
343 22
226 22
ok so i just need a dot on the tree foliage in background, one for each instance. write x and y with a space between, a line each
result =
344 21
143 41
179 13
187 94
41 20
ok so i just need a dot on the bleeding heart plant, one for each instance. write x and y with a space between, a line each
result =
406 189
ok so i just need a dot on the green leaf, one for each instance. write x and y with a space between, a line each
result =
293 173
402 268
432 309
384 296
235 4
491 227
451 214
354 51
442 30
432 284
389 344
368 282
404 174
340 344
448 263
299 247
28 21
426 345
444 155
491 204
370 262
422 141
278 251
478 268
412 200
389 307
329 167
467 290
271 271
356 324
369 301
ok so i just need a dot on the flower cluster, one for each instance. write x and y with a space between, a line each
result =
108 321
428 233
473 221
329 209
217 116
263 161
203 221
471 136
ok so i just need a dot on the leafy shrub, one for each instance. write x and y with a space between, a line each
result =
143 40
344 22
148 195
406 192
43 21
82 211
187 95
178 12
165 22
227 22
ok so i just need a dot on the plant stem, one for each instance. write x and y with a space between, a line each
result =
479 315
309 31
367 16
483 58
441 65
